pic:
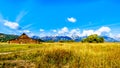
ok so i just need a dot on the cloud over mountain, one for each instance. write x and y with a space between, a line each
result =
65 31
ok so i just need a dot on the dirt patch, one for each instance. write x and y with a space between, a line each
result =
16 64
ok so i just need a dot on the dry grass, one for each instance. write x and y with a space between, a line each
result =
63 55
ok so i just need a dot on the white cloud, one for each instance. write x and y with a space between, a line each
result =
26 31
72 19
118 35
41 30
66 32
12 25
102 29
63 30
31 34
42 35
74 32
111 35
54 30
87 32
115 36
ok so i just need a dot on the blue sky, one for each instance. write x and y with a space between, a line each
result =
60 17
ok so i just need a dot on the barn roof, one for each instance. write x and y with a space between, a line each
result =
24 36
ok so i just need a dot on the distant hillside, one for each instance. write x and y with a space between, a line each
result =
6 37
77 38
37 38
109 39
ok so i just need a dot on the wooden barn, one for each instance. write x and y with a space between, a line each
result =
24 39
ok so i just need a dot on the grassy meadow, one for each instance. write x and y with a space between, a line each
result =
60 55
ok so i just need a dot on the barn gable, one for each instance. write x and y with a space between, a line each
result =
24 36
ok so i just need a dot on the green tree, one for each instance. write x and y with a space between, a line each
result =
93 39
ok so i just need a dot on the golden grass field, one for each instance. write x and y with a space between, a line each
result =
60 55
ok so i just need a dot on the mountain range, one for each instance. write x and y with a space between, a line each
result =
6 37
76 38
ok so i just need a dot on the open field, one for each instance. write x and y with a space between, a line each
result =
60 55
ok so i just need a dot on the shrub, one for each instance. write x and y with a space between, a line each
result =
93 39
50 41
